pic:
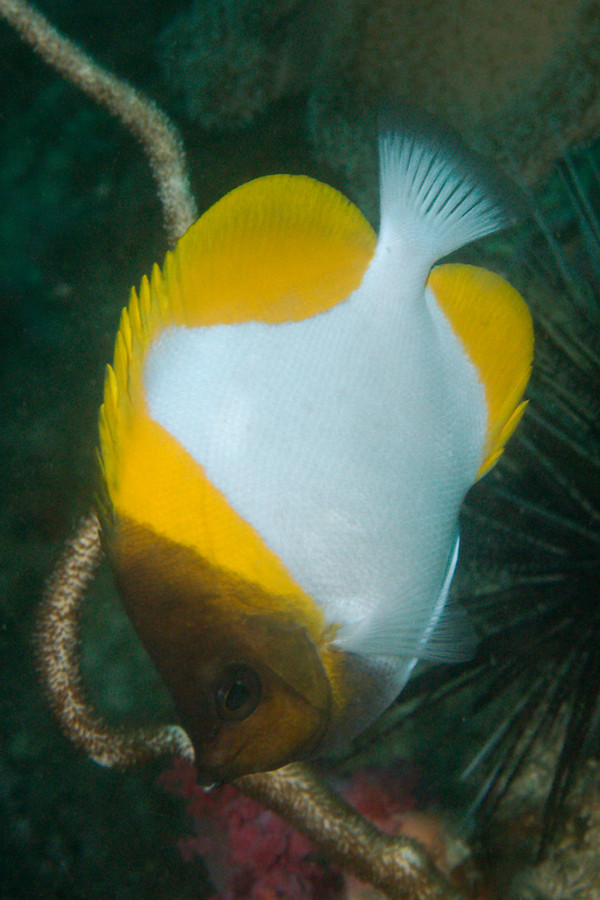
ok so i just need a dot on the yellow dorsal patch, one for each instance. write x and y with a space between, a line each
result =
277 249
494 325
280 248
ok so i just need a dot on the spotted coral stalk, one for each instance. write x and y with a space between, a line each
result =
141 117
59 663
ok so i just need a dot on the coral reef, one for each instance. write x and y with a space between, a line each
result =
570 868
227 61
520 81
508 76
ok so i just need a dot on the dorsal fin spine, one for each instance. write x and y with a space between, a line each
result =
144 304
155 287
122 353
125 329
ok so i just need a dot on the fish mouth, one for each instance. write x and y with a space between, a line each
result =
214 776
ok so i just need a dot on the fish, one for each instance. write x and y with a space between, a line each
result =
295 412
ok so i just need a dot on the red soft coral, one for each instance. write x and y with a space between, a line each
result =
250 852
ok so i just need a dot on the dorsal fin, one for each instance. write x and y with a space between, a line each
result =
280 248
277 249
494 325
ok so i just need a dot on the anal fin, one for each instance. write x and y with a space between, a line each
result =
494 325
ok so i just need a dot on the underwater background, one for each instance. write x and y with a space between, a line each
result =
80 224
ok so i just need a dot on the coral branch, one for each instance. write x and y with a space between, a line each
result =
396 865
140 116
57 641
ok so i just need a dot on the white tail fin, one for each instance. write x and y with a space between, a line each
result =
435 194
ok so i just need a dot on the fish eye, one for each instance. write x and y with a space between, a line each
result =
237 692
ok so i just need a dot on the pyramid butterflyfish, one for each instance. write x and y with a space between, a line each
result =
295 412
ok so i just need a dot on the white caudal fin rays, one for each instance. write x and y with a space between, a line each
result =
436 195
